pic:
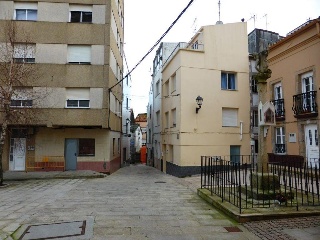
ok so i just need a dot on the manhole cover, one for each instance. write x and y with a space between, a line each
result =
55 230
233 229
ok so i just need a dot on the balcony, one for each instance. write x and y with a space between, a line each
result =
279 108
183 45
305 105
280 148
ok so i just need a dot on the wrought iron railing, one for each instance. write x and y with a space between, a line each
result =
305 104
279 109
238 183
280 148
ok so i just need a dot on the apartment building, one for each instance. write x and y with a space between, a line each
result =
77 50
126 123
205 99
165 50
293 88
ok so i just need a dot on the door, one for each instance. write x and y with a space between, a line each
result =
235 154
308 94
279 108
312 145
124 155
18 154
71 152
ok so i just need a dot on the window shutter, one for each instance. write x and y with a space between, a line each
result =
79 54
24 51
78 93
81 8
229 117
26 5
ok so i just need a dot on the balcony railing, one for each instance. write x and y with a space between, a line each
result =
280 148
183 45
279 108
305 105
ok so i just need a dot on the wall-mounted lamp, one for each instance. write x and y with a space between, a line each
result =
199 101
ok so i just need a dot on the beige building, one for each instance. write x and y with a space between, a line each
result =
77 51
214 66
293 87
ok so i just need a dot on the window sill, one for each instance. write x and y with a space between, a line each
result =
77 107
79 63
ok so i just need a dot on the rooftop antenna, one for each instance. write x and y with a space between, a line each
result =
194 25
219 5
266 16
219 9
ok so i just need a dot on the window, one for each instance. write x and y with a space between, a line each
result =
26 11
78 98
86 147
24 53
167 119
166 89
173 83
113 146
280 146
80 13
79 54
195 45
254 86
229 117
228 81
255 119
158 118
119 145
22 97
158 87
174 116
21 103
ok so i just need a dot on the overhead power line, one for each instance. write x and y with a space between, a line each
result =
157 42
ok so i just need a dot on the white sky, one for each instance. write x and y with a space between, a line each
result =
147 20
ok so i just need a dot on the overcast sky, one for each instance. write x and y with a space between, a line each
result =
147 20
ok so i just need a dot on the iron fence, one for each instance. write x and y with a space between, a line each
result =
238 181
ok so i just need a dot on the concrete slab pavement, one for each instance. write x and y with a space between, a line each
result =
136 202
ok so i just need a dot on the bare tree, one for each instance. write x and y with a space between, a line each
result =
16 77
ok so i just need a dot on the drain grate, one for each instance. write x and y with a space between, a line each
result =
54 230
233 229
160 182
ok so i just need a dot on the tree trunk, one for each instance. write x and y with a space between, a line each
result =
2 141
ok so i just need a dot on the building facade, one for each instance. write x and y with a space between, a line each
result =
154 151
293 88
126 123
213 66
77 51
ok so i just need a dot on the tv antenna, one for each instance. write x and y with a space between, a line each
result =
266 16
219 5
194 25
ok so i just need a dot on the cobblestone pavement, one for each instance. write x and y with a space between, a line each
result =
287 229
136 202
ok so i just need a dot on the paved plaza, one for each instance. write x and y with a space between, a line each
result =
136 202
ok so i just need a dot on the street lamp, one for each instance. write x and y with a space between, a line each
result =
199 101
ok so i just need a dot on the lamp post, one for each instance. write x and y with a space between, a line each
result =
199 101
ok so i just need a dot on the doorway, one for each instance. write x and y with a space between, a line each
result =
71 153
312 144
18 154
235 154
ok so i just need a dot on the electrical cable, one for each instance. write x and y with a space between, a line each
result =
153 47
